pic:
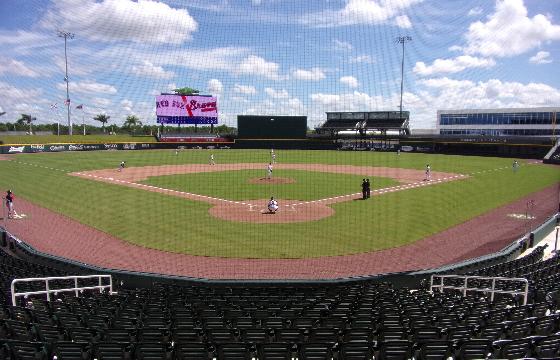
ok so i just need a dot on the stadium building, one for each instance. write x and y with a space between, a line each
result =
498 122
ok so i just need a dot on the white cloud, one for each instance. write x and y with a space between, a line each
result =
101 102
366 59
150 70
122 20
542 57
350 81
361 12
256 2
256 65
215 86
23 42
17 100
126 106
277 94
88 87
289 106
244 89
342 45
403 22
454 65
313 74
509 31
74 68
475 11
15 67
455 48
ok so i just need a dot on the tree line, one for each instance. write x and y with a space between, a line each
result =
132 125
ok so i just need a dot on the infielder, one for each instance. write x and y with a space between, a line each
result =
428 173
272 205
122 165
212 162
269 171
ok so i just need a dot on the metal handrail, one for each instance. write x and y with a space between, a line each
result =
492 290
48 290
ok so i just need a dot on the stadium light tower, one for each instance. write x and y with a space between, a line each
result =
402 40
66 35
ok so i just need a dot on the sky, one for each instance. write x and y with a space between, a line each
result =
278 57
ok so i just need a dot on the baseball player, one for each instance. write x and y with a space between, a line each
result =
212 162
272 205
122 165
269 171
273 156
428 173
515 166
10 204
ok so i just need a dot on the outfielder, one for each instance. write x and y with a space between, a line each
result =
211 161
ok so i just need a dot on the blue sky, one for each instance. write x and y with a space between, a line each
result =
283 57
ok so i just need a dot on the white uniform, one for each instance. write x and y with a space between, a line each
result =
269 171
428 172
273 206
212 162
273 158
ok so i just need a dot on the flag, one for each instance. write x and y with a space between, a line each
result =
81 106
67 102
54 106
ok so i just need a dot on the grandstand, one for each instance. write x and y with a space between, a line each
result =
364 123
360 319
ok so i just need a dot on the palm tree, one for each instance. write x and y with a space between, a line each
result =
132 122
186 91
26 119
103 119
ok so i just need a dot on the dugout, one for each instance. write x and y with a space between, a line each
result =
271 127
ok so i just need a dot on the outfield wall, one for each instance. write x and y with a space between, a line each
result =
535 148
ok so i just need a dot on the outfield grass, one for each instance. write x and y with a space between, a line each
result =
179 225
81 139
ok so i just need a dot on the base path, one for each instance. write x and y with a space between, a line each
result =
59 235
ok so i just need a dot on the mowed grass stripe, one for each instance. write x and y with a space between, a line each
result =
180 225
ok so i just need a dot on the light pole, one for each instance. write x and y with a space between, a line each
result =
402 40
66 35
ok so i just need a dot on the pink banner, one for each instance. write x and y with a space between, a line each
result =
190 106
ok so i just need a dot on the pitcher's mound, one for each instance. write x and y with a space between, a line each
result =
272 180
255 211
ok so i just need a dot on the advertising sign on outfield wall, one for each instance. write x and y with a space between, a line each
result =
186 109
38 148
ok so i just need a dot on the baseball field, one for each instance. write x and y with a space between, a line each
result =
178 203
